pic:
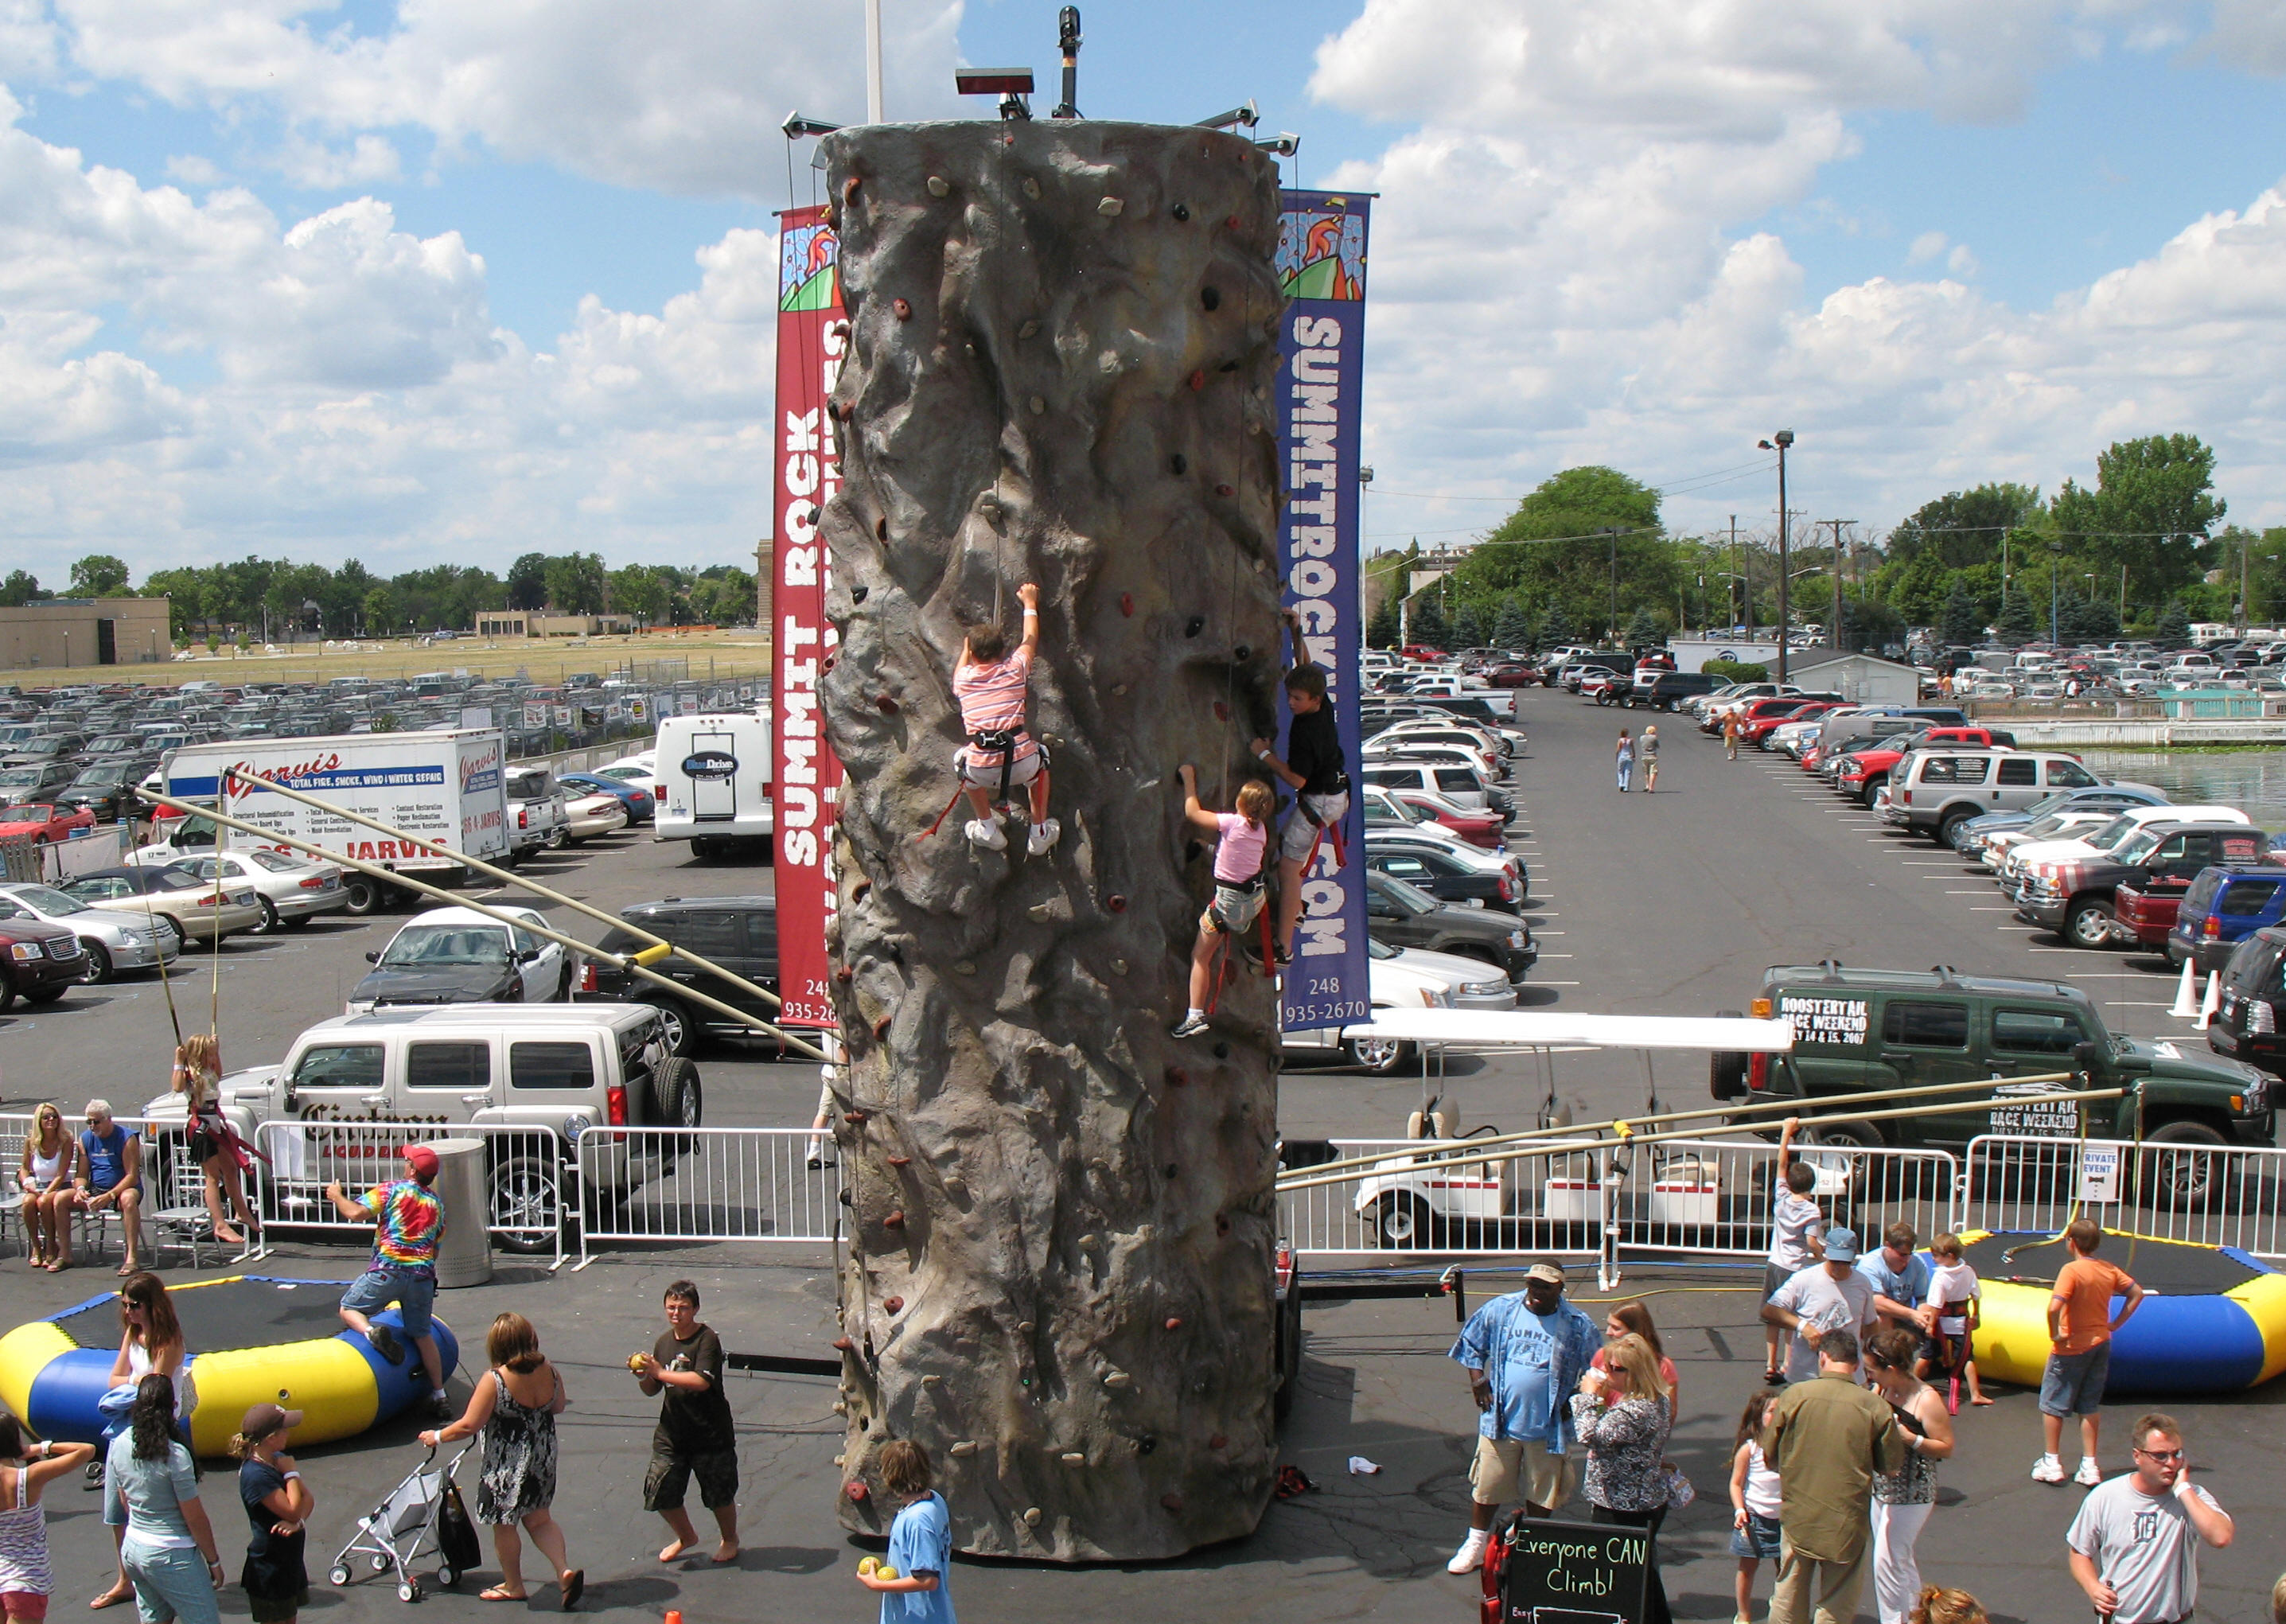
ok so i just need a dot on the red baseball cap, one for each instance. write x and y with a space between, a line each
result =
422 1160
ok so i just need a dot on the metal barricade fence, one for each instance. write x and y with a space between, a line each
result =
2164 1191
1714 1197
1448 1208
708 1185
533 1180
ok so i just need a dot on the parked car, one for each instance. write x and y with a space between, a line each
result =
38 961
1668 690
2221 907
33 780
111 939
198 909
1469 881
598 812
43 822
46 748
738 932
552 1069
1430 813
2076 900
459 956
536 818
291 891
1464 785
1860 773
106 788
632 794
1858 1030
2116 795
2023 862
1933 792
2250 1024
1405 916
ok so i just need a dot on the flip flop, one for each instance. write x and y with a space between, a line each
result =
112 1598
574 1587
497 1593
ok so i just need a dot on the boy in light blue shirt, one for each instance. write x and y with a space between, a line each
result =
920 1542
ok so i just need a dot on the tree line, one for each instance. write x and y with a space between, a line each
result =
1586 557
272 599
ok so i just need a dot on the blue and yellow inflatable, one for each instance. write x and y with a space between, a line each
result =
253 1339
2213 1319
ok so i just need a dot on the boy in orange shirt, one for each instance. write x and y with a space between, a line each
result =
2080 1328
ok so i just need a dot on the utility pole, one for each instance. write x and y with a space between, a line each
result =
1782 442
1745 581
1836 639
1613 531
874 113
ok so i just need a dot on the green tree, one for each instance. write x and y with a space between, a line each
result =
2016 623
576 583
1468 628
21 587
1644 630
1558 547
379 611
98 575
2152 507
1963 527
1554 628
637 589
1960 621
1428 622
1381 631
2174 622
1511 627
527 582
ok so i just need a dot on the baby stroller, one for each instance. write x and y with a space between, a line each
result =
422 1513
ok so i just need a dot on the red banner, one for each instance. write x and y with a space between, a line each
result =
806 779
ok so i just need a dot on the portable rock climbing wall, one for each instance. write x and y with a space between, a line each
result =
1063 341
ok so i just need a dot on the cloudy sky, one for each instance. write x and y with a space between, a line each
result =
429 281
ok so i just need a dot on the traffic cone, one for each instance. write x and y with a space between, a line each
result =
2187 995
2212 1002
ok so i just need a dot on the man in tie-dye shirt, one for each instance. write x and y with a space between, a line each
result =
408 1220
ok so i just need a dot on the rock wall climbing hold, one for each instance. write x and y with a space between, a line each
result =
1115 903
903 308
1109 205
1242 653
857 594
1174 1322
1195 626
1073 1457
845 1345
1182 211
884 705
893 1305
1126 602
854 1490
1177 1076
937 186
1173 1502
901 1161
1211 298
893 1220
1179 463
1198 379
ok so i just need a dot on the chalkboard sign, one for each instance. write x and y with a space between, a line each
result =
1573 1573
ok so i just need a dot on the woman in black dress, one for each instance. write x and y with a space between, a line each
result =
515 1406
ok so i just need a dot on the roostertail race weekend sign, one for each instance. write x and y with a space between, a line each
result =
813 334
1321 258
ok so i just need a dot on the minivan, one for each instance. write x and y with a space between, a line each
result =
1460 785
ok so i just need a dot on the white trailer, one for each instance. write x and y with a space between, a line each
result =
712 772
444 786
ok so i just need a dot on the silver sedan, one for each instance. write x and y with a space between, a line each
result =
116 941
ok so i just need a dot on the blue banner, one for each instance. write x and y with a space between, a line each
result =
1321 346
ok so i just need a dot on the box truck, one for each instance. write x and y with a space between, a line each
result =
444 786
714 778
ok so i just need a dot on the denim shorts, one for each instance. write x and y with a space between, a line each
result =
1758 1540
2072 1384
414 1293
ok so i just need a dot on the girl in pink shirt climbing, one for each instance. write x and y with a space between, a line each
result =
1241 837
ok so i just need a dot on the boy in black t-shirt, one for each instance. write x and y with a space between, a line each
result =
694 1438
1314 770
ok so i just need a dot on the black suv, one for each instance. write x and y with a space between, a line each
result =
738 932
1402 916
2250 1025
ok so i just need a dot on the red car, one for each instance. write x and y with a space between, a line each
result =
40 820
1763 716
1420 650
1863 774
1482 829
1511 677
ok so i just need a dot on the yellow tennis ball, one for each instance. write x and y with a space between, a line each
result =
885 1571
869 1565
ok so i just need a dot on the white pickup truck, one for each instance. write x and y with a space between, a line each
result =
536 816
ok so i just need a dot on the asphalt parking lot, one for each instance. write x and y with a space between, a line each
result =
1668 903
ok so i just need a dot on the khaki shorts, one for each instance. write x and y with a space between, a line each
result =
1492 1476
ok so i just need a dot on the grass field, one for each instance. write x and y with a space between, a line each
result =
708 653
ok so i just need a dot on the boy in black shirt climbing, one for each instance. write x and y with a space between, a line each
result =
1314 770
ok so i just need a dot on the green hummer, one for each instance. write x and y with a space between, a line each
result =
1857 1031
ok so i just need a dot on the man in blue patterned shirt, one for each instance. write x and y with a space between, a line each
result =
1524 1353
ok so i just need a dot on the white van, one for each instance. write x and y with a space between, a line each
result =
714 778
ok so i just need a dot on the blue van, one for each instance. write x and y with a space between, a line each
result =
2223 907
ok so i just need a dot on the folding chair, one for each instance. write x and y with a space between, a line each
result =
181 1212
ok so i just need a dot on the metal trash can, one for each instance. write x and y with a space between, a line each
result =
465 1256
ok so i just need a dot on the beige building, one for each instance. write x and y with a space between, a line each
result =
56 633
538 623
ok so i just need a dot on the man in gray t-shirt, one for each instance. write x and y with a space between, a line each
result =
1829 1296
2133 1545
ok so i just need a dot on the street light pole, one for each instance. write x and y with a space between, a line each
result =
1835 640
1781 442
1613 639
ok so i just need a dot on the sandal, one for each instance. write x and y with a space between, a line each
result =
501 1593
113 1598
574 1587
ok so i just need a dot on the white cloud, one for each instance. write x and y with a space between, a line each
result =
1557 277
685 99
2249 34
193 171
315 166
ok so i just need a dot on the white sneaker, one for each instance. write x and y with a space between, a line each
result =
2047 1468
986 832
2089 1472
1470 1556
1043 839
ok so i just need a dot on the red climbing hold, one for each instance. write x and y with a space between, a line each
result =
1234 222
849 187
881 1028
903 308
887 706
893 1305
1224 490
901 1161
855 1119
1174 1324
1177 1076
854 1490
1199 379
1115 903
1218 1442
845 1345
844 975
894 1220
881 529
1173 1502
1126 602
1222 710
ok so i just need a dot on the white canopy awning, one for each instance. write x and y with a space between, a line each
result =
1560 1030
